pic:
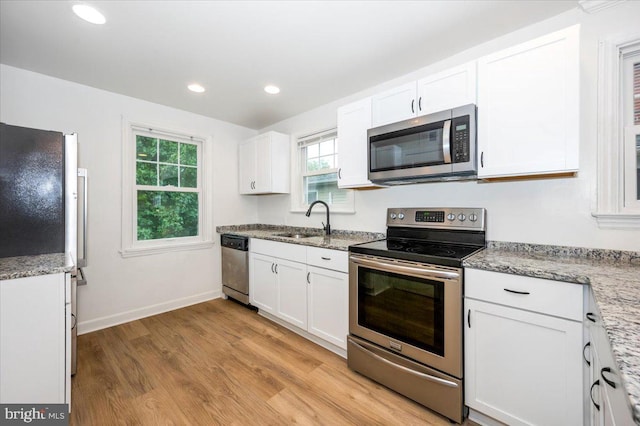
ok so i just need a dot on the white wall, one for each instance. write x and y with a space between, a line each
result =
122 289
550 211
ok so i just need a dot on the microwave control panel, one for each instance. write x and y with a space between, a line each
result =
461 141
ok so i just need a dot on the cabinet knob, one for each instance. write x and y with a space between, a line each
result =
607 381
596 383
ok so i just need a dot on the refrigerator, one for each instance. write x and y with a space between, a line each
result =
42 191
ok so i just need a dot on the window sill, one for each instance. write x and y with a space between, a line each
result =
617 221
332 210
168 248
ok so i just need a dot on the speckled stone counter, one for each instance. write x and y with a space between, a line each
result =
338 240
31 266
614 277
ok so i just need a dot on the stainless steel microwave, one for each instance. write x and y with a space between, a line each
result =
439 146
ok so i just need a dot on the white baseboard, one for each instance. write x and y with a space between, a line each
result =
147 311
482 419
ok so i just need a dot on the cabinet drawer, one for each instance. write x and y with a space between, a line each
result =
329 259
556 298
293 252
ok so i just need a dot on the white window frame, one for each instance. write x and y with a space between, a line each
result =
298 174
130 245
614 184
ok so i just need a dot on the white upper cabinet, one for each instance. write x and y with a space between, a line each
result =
528 107
264 164
394 105
444 90
447 89
353 122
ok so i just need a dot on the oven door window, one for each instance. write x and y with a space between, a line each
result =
404 308
416 147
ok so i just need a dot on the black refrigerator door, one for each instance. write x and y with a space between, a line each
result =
31 191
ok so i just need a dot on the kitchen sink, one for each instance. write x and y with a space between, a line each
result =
295 235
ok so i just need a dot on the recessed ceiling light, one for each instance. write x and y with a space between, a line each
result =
272 90
195 88
89 14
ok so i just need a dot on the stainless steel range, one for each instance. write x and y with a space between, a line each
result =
405 304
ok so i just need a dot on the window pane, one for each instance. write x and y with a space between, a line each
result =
326 148
146 173
146 148
324 188
312 151
167 214
188 154
168 151
168 175
188 177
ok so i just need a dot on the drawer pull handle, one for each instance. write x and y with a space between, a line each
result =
607 381
584 356
516 291
590 316
325 258
596 383
308 280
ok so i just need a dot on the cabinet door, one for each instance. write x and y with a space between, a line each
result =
394 105
292 292
522 367
528 107
263 285
353 122
32 352
447 89
247 163
329 305
263 164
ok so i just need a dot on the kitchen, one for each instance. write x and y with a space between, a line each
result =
543 211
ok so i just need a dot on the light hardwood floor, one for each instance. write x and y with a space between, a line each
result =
218 363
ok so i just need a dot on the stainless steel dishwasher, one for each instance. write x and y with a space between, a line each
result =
235 267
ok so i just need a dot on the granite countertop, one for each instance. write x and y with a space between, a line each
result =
338 240
614 277
31 266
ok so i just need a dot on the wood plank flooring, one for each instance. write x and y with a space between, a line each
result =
218 363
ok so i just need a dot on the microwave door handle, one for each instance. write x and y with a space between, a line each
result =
446 142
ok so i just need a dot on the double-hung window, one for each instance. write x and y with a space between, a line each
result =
619 134
164 195
631 123
318 161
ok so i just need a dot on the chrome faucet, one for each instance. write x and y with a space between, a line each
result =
327 227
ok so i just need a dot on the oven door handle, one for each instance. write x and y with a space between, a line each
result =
394 267
406 369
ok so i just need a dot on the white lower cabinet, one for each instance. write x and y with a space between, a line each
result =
292 292
328 303
608 404
306 287
523 357
278 286
264 284
34 348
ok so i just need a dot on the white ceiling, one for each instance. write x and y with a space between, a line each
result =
315 51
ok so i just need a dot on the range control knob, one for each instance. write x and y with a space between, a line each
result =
400 216
393 216
451 217
473 217
462 217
